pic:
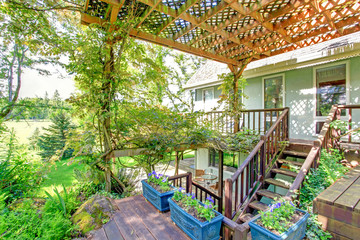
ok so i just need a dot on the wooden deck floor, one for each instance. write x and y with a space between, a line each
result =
138 219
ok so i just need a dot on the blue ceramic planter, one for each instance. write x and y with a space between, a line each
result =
295 232
159 200
194 228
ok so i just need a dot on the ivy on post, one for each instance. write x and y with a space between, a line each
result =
236 100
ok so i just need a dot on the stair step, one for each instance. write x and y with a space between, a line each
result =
284 171
295 154
259 206
269 194
246 217
288 162
277 183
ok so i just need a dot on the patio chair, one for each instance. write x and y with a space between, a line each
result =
198 174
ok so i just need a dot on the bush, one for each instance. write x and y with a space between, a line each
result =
20 170
330 169
28 222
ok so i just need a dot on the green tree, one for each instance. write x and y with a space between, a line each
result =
54 139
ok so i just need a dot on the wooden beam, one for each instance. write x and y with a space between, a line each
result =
305 39
179 46
317 6
186 6
289 7
147 12
212 12
262 46
86 6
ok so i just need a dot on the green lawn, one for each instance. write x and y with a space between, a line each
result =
60 174
25 129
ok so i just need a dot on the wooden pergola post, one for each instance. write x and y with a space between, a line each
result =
237 71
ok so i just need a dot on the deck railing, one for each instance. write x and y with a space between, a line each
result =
248 176
201 193
328 138
258 120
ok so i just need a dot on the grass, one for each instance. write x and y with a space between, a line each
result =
60 173
25 129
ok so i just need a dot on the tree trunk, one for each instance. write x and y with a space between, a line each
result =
177 161
107 97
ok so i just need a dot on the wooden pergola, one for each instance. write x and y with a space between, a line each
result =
234 32
231 31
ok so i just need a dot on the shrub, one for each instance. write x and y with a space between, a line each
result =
330 169
20 170
28 222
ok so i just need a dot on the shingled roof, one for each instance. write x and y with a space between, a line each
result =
230 31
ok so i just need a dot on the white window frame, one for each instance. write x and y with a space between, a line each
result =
263 88
205 89
347 91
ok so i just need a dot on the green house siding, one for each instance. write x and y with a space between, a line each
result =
300 96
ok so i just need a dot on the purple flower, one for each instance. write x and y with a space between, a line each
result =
210 199
156 177
153 172
206 206
193 196
210 206
181 189
149 174
164 180
292 204
160 175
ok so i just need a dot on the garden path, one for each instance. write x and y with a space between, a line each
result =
138 219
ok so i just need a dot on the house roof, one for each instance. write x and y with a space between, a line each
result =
332 50
228 31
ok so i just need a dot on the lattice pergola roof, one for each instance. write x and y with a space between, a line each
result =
231 31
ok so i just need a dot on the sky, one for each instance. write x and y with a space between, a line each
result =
35 85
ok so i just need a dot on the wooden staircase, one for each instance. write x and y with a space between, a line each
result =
278 179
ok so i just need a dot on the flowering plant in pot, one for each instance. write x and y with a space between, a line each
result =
282 221
198 220
157 190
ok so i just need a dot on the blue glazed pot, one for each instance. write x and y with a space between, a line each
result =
158 200
195 229
295 232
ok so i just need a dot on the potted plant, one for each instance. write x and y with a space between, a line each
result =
198 220
282 221
157 190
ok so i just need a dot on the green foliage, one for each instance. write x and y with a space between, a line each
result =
160 180
54 139
314 230
278 218
20 171
228 97
243 141
330 169
189 203
28 223
64 202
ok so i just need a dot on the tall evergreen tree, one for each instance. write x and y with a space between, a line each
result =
54 138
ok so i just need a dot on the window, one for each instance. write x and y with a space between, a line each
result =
207 94
330 88
274 92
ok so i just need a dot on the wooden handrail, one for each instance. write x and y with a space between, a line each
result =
253 119
324 141
193 187
255 164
